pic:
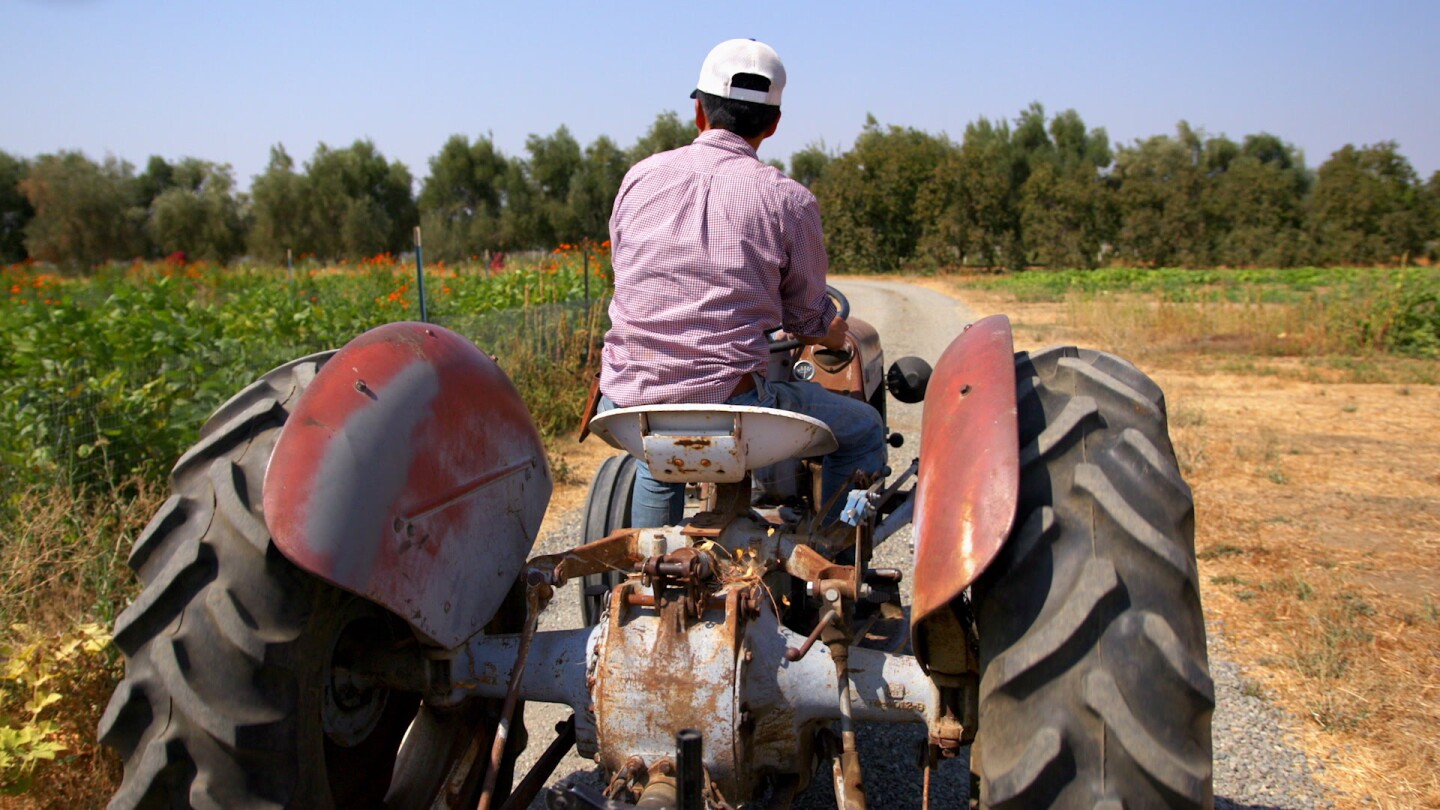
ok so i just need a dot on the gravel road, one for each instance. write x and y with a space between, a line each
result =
1254 766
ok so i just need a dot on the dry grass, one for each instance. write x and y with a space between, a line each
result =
1317 486
64 562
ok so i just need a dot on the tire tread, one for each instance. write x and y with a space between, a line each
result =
1092 607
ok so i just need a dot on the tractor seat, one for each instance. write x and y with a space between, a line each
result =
711 443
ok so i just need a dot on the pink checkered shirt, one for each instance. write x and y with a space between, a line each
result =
711 248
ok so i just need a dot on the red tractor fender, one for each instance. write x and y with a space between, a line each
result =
410 473
969 480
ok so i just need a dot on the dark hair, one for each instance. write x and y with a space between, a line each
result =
744 118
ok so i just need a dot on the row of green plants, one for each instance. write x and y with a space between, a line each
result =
1360 310
113 373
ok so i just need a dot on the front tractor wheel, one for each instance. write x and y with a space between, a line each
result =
244 682
607 509
1095 689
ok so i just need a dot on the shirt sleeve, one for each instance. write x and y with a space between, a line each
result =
808 310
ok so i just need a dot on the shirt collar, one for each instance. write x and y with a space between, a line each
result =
727 140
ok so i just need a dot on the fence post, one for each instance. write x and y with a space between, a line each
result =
586 252
420 277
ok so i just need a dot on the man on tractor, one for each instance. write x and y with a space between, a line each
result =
713 248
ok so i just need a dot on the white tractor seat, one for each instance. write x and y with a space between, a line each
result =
711 443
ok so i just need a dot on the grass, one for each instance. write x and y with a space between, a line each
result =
1346 316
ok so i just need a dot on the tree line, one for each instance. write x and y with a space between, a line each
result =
1038 190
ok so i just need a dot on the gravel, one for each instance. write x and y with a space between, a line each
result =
1255 767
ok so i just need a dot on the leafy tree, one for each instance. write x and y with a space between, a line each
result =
1067 209
554 163
868 196
1075 147
280 209
808 165
1012 194
967 207
84 211
1161 199
199 213
1067 216
593 189
15 210
1254 201
360 204
461 201
158 176
666 133
1432 198
1366 206
522 221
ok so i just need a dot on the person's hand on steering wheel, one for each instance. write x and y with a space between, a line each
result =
835 336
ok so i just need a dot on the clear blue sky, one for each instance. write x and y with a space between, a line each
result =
225 80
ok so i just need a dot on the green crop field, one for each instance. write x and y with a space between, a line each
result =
108 376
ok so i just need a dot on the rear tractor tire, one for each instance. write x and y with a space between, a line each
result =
1095 689
235 692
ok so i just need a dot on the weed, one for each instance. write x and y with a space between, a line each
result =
1219 550
1252 689
1291 585
42 671
1350 407
1277 476
1354 606
1228 579
1333 712
1187 417
561 471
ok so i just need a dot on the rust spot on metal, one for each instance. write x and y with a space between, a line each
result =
694 442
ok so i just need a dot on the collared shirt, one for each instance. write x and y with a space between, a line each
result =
711 248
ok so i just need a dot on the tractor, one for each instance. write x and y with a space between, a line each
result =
341 605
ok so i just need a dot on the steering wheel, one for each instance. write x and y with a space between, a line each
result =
842 308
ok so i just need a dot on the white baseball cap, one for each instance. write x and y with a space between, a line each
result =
742 56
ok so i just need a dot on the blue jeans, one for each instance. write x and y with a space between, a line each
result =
857 427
